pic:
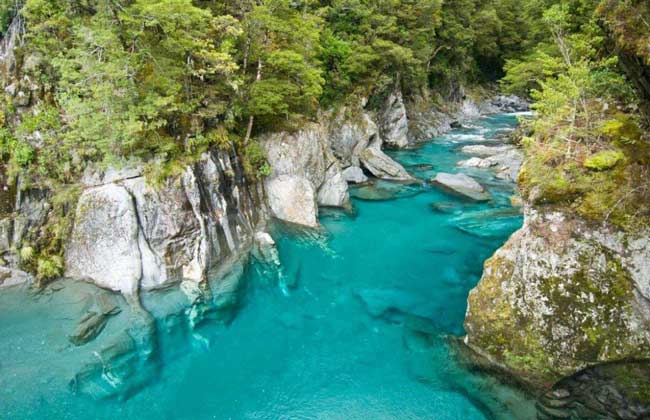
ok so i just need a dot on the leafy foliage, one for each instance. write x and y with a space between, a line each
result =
586 148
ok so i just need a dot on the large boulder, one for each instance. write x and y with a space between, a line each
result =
393 122
292 199
461 185
296 158
381 165
561 295
107 245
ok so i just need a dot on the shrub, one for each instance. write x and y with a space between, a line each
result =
604 160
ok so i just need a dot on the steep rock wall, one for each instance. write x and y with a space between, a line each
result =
129 236
562 295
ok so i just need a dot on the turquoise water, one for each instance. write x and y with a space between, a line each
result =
358 327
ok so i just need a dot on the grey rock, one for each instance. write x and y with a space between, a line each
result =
354 175
95 178
305 154
334 191
292 199
476 162
469 110
462 185
558 276
106 242
31 213
393 121
381 165
349 136
486 151
6 228
12 277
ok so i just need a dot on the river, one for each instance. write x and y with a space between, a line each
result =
358 327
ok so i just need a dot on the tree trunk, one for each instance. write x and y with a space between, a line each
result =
251 119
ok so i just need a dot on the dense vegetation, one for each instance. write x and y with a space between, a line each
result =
111 82
586 147
160 81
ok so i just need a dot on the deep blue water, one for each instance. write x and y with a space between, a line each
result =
357 329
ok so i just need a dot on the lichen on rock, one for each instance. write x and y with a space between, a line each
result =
560 296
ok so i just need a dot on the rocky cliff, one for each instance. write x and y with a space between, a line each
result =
129 235
561 295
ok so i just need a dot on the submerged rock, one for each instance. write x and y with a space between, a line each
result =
384 191
450 207
614 391
462 185
94 321
388 302
493 223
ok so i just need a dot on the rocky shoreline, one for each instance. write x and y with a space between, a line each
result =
176 253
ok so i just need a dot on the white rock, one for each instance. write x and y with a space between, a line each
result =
462 185
486 151
381 165
354 175
292 199
11 277
334 191
307 154
105 244
394 122
476 162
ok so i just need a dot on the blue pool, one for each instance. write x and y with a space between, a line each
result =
356 326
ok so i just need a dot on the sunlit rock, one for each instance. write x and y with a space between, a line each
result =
292 199
461 185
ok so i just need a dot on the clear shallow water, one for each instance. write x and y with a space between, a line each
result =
359 334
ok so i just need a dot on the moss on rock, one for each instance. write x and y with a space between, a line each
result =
553 302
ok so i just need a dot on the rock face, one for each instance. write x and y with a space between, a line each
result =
292 199
107 246
462 185
426 122
394 125
305 173
350 135
130 236
357 142
562 295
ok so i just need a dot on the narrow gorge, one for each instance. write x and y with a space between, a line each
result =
324 209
